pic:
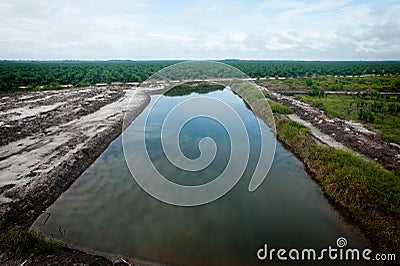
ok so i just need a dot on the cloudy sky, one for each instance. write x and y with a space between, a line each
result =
209 29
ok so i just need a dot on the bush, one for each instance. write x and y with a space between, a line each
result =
279 108
28 243
366 115
316 92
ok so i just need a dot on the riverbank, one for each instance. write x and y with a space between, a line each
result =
360 188
367 192
49 139
345 162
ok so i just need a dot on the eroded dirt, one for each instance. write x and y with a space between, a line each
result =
353 135
49 138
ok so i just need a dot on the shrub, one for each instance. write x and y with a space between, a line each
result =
28 243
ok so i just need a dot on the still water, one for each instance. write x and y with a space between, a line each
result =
106 210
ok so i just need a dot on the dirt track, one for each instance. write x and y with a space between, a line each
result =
354 136
49 138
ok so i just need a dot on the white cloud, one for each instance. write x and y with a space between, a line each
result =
293 29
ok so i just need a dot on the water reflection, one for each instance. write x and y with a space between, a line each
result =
106 210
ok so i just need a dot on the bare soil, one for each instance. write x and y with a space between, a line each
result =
353 135
48 139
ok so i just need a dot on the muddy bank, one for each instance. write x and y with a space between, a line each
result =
352 135
69 257
27 114
49 138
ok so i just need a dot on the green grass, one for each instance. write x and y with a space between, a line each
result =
331 83
344 107
357 183
334 105
279 108
370 193
291 131
28 243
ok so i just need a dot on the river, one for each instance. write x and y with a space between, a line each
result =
107 211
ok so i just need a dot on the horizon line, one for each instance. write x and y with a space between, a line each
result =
225 59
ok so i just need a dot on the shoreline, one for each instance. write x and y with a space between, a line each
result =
377 226
34 199
23 211
351 192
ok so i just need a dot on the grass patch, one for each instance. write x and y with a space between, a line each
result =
369 192
29 244
335 105
279 108
291 131
332 83
348 107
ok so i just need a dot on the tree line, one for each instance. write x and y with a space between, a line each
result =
16 75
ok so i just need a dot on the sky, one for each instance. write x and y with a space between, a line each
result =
199 29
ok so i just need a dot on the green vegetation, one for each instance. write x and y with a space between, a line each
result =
27 75
188 88
291 131
389 83
287 69
27 243
316 92
381 112
14 74
279 108
370 193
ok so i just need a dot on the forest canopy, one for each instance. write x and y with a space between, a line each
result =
18 75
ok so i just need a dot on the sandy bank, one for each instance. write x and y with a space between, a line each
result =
49 138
